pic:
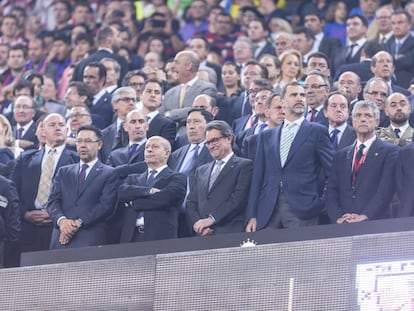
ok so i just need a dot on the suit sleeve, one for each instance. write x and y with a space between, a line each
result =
386 188
257 180
169 196
325 152
129 190
191 208
332 203
12 214
54 204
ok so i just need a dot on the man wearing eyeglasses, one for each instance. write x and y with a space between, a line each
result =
219 191
317 89
83 196
377 90
33 175
25 129
114 136
78 116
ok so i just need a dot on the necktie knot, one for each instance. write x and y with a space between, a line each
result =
82 176
20 133
151 177
132 149
334 137
360 152
397 132
313 113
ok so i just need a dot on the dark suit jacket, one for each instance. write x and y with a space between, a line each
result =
30 135
96 57
177 157
164 127
103 108
267 49
26 175
348 137
160 209
330 46
404 65
374 184
93 203
311 151
226 200
341 54
405 180
239 124
112 141
249 147
362 69
236 107
121 156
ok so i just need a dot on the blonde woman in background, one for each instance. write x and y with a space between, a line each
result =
8 150
291 68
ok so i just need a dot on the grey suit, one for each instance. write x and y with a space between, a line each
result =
172 97
348 137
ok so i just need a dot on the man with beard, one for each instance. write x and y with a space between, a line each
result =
398 109
289 159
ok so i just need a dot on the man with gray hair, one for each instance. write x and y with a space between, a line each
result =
243 50
377 90
361 184
114 136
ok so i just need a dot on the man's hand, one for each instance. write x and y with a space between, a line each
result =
37 217
154 190
350 218
68 228
25 143
202 224
251 225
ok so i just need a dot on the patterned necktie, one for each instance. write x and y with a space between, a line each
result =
397 48
397 132
45 182
285 142
334 138
82 176
192 161
214 174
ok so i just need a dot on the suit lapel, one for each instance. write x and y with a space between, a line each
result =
95 171
182 156
224 171
274 143
299 140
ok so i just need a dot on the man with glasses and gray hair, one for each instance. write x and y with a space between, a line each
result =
114 136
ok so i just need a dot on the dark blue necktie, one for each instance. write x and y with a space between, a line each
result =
132 149
192 161
151 177
334 138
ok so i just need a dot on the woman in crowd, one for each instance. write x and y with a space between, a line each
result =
291 68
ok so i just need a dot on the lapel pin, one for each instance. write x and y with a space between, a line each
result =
376 154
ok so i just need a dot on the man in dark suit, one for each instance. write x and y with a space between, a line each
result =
382 66
114 136
258 31
401 46
179 99
285 190
192 155
349 84
152 199
136 127
361 183
356 30
159 125
362 68
94 75
83 196
218 196
317 87
9 223
25 129
108 40
33 175
336 110
327 45
275 115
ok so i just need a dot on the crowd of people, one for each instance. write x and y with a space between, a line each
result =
127 121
